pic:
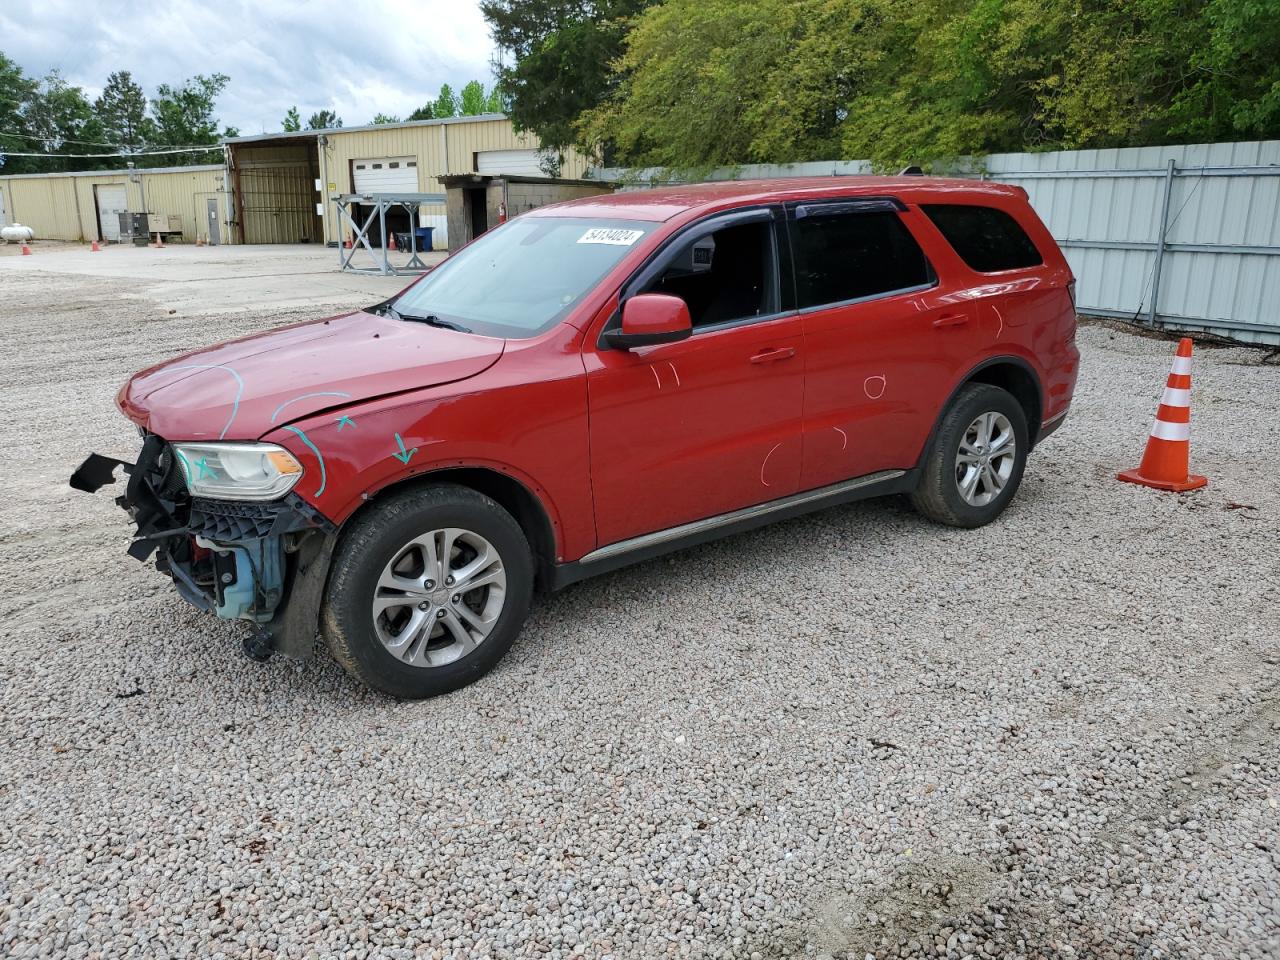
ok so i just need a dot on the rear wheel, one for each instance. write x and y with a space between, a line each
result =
428 591
975 464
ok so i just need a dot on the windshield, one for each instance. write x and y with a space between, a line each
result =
523 277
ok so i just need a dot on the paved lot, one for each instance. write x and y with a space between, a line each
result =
849 734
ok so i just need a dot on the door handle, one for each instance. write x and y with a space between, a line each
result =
952 320
774 353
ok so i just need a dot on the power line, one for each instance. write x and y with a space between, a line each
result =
140 153
91 143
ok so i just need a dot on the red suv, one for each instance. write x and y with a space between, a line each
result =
592 384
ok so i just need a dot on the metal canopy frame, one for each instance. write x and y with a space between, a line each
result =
381 203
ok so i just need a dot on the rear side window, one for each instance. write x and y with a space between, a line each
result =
849 256
987 239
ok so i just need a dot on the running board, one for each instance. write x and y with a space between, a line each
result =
624 552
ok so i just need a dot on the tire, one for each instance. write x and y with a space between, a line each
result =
941 495
378 600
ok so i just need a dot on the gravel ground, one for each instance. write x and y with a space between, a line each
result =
847 735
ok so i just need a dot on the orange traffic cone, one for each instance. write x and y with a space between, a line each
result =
1165 464
346 244
94 248
26 251
159 244
392 245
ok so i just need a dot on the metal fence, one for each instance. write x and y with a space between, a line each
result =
1183 237
1180 237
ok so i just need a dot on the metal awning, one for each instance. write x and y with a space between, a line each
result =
379 204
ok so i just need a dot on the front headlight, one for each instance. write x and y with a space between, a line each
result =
238 471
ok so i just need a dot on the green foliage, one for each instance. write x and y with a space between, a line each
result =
446 104
703 83
563 51
425 112
472 99
292 121
121 110
384 118
324 120
185 115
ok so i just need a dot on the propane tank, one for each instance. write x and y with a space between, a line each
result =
17 233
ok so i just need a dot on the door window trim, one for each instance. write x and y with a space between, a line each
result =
844 207
772 213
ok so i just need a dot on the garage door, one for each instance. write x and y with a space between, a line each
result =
386 175
111 203
495 162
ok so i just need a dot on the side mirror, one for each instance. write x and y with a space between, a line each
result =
649 319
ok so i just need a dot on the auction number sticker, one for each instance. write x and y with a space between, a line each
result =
613 237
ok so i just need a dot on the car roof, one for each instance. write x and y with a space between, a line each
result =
663 203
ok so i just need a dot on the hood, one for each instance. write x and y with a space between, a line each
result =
245 388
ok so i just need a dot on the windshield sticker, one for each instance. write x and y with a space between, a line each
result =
615 238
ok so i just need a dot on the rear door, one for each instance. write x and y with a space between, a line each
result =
111 201
881 337
689 430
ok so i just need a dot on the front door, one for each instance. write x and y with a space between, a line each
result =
880 336
214 234
711 424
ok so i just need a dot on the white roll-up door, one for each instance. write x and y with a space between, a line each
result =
495 162
386 175
111 203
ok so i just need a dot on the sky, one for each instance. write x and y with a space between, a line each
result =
356 57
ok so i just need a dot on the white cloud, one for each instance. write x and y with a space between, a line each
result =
357 57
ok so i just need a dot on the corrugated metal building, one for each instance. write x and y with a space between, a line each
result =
84 206
275 188
279 179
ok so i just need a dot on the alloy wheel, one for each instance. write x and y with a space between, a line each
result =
986 458
439 597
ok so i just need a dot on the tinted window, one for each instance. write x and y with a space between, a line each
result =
849 256
987 239
723 277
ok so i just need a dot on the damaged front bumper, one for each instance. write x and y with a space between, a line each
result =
265 563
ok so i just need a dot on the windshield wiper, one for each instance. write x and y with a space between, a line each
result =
430 319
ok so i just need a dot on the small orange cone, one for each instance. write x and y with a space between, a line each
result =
159 244
26 251
1165 464
94 248
392 246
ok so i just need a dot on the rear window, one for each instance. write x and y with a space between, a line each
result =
987 239
851 256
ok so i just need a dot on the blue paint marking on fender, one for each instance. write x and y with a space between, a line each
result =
344 421
404 455
319 456
235 404
205 469
304 396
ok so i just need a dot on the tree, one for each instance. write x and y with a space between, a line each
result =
385 118
184 116
563 51
58 119
446 104
324 120
16 90
715 82
425 112
705 83
494 103
292 122
122 111
472 99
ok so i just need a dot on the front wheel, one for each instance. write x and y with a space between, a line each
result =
975 463
428 591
